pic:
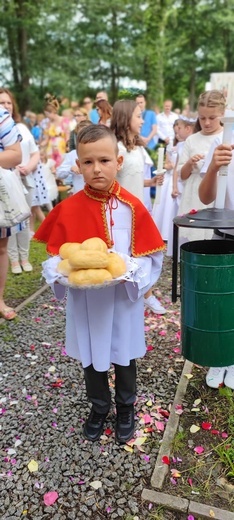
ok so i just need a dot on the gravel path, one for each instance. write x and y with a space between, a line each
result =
43 407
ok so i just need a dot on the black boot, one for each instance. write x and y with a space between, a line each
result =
93 426
125 424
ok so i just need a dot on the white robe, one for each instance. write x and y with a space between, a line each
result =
106 325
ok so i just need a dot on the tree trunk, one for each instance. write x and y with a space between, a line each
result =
21 13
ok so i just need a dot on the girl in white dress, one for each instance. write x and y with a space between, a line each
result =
166 209
211 106
184 128
126 123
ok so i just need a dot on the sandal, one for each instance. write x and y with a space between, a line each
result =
8 314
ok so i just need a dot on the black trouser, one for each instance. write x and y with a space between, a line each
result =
98 391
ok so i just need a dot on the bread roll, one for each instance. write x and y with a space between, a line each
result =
116 265
68 248
89 277
64 267
94 244
88 259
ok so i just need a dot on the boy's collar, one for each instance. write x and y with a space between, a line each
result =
102 195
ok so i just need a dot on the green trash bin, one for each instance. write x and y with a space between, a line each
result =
207 302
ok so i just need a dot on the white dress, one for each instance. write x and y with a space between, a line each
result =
176 201
49 179
105 326
34 182
194 144
131 175
164 212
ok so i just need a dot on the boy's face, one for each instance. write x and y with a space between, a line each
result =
99 163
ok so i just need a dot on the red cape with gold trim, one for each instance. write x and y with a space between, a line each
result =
83 216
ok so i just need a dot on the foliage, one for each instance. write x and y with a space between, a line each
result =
72 48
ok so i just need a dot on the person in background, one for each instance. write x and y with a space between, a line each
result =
57 132
35 128
68 114
126 124
149 127
10 156
164 211
19 242
69 165
211 106
165 121
88 106
106 325
104 110
148 132
220 154
80 114
94 116
49 171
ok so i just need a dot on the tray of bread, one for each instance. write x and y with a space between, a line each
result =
89 265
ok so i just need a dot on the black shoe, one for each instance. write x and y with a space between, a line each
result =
93 426
125 424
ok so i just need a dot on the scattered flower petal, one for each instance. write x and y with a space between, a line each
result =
160 426
33 466
50 498
199 449
166 460
206 425
175 473
194 428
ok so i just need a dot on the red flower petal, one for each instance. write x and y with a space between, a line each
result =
108 431
206 425
166 460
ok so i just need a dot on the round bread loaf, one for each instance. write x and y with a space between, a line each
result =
68 248
88 259
94 244
116 265
89 277
64 267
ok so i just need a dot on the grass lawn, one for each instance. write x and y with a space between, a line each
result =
21 286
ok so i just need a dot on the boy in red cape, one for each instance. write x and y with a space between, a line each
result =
106 325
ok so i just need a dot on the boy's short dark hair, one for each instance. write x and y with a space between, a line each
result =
93 133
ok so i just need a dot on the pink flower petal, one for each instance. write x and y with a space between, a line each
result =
224 435
160 426
199 449
50 498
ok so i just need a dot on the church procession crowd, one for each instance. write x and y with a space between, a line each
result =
126 171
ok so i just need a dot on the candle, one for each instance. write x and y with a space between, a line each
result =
160 159
221 191
158 189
